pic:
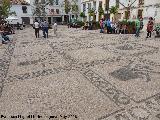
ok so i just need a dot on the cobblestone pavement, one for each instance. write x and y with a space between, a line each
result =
80 75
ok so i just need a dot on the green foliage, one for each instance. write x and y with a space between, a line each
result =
82 15
39 9
113 10
75 8
100 10
50 2
5 8
124 22
67 6
80 23
91 12
130 25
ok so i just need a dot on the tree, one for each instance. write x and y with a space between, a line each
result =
92 13
82 15
101 11
39 7
75 9
5 8
114 10
67 6
128 8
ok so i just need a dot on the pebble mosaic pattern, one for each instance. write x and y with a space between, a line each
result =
110 64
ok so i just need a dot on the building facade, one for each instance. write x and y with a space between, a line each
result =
139 8
56 11
0 2
23 13
87 5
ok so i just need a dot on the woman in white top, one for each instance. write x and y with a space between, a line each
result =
36 27
55 28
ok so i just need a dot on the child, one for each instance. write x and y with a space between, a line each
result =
150 27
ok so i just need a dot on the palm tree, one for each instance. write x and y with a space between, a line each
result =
114 10
101 12
5 8
75 9
67 6
92 13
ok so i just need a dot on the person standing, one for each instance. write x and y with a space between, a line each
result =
101 25
150 27
36 27
45 29
24 25
141 23
138 26
55 28
108 26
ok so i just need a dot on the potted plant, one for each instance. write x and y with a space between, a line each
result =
82 15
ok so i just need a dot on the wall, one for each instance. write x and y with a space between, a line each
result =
19 12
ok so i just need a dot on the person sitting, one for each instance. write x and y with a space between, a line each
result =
124 29
90 26
69 25
117 28
86 25
24 25
113 28
3 37
157 29
18 26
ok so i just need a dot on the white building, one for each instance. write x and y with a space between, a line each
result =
86 5
23 13
56 11
141 8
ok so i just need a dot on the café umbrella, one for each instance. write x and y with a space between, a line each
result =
12 19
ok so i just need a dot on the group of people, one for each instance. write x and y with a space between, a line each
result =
5 30
44 26
110 27
150 27
116 27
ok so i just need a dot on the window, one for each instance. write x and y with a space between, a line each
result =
140 12
24 8
84 7
57 1
89 6
57 11
94 5
51 11
141 2
100 3
43 1
117 3
36 1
